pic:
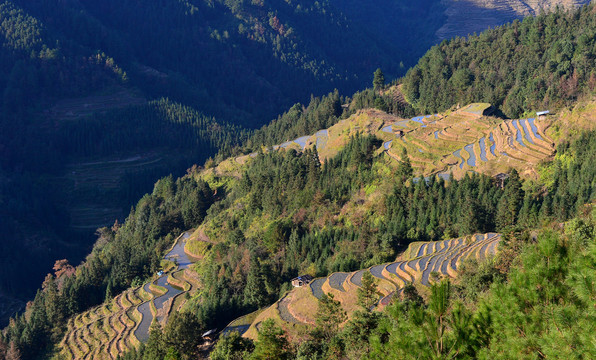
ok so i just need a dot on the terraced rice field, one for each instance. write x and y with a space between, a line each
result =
464 141
108 330
457 154
76 108
101 176
422 265
534 128
472 159
357 278
242 324
437 145
284 312
317 287
302 141
336 280
322 136
526 131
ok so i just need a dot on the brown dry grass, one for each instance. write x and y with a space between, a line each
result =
269 313
304 305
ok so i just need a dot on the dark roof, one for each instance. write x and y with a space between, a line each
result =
303 278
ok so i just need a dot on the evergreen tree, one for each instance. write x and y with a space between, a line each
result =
378 79
272 343
404 169
255 293
368 295
231 346
183 333
364 321
511 201
329 317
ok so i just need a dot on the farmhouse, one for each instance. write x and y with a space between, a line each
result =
210 335
542 114
301 280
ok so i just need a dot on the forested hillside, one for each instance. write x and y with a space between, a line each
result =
99 102
530 65
98 154
248 60
350 212
101 99
82 133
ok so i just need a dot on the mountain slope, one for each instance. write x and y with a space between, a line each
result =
77 76
421 265
282 213
231 55
276 214
545 61
475 16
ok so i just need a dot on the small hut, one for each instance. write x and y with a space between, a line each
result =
210 336
542 114
301 280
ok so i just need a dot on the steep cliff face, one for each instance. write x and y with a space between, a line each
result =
464 17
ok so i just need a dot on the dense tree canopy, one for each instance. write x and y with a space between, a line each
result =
288 212
539 63
253 261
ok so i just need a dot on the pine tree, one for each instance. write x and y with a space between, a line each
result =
329 316
511 201
404 169
254 291
231 346
364 321
272 343
378 79
368 295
